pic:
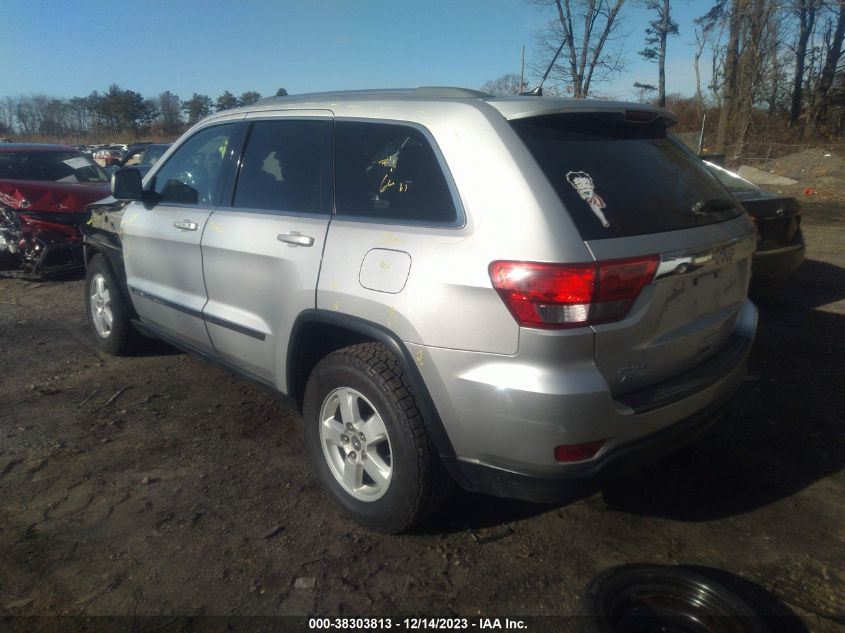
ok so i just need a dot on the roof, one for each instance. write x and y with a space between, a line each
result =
35 147
511 107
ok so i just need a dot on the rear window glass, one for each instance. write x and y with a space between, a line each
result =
618 178
70 167
390 172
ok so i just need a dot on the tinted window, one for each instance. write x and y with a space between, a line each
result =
619 178
286 166
389 171
191 175
69 167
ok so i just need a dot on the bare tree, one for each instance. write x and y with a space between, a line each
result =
821 94
7 115
731 66
776 62
508 84
805 10
585 27
657 32
758 27
708 32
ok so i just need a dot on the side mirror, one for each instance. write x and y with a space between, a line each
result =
126 184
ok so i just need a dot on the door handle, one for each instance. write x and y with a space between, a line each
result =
186 225
295 238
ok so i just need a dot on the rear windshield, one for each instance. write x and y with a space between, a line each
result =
620 178
71 167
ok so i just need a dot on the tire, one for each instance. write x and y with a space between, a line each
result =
107 310
633 598
392 480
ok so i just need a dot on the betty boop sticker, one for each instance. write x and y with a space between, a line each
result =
582 182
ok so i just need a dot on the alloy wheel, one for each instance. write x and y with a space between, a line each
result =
100 305
355 444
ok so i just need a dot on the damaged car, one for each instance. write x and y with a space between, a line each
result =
44 190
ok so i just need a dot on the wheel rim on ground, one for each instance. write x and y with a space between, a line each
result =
100 305
652 599
355 444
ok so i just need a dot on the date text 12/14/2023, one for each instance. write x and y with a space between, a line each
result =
415 624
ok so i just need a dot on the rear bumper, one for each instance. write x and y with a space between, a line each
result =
583 479
505 415
778 264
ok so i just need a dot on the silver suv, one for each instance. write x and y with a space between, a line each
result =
513 294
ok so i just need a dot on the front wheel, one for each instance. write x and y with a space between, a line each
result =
368 441
108 312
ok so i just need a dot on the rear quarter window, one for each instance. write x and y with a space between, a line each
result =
619 178
390 172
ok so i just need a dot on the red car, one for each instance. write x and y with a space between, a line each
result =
44 190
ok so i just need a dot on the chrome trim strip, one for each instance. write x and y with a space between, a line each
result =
165 302
235 327
697 260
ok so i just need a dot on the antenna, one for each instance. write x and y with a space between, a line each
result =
538 91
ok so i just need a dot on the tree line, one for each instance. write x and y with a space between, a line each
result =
115 111
782 59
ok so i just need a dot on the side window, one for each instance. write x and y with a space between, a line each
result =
389 171
286 166
191 175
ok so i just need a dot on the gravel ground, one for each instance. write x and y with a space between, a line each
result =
163 485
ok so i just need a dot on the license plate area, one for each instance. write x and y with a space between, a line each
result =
690 297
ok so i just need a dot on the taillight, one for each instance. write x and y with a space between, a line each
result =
577 452
555 296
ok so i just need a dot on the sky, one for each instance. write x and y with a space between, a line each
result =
65 48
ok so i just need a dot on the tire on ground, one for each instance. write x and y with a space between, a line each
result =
418 484
121 338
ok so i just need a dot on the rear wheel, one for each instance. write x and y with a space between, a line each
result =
107 310
368 441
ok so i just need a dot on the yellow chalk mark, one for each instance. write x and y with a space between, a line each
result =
419 358
390 238
130 219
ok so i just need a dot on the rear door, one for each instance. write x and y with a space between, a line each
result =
632 191
161 236
262 249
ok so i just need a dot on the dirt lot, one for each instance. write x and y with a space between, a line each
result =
162 485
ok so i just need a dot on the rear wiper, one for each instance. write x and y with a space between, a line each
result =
714 205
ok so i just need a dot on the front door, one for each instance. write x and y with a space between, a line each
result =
161 236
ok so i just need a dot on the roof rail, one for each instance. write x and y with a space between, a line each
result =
431 92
